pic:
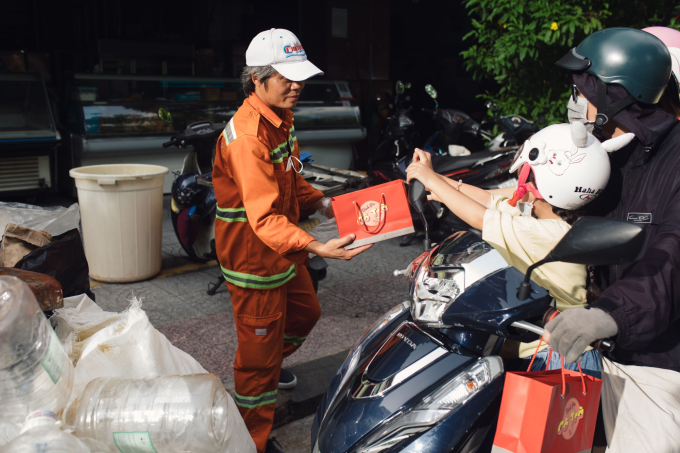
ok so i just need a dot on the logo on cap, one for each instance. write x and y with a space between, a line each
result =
293 51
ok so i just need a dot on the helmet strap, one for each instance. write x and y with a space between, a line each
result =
603 114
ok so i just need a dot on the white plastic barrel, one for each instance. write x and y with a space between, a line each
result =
121 209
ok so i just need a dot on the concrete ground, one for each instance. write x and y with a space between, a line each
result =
353 295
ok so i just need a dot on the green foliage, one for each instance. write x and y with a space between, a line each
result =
517 42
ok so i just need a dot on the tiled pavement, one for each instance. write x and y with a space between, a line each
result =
353 295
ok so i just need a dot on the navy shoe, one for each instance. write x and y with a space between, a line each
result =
287 380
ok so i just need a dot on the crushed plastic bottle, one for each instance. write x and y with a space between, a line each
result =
35 372
42 435
163 414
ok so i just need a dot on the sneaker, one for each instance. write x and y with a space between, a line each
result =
271 448
287 380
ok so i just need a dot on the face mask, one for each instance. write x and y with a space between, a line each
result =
577 112
525 208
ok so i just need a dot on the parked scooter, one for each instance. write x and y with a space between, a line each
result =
486 166
426 377
193 203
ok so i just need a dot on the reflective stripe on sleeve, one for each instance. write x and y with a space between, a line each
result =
257 281
294 339
229 132
284 149
232 214
281 151
251 402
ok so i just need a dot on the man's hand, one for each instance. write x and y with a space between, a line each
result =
572 331
335 248
324 207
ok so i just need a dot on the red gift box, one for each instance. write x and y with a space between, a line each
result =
374 214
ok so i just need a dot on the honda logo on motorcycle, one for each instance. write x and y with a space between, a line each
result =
406 340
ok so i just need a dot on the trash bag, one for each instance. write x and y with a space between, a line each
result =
64 259
111 344
55 219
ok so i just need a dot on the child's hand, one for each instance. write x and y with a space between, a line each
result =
433 197
421 172
422 156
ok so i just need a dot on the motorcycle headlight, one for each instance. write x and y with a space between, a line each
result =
434 408
434 290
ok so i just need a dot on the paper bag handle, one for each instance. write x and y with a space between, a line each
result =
547 363
382 216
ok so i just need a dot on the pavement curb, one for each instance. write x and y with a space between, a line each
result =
314 376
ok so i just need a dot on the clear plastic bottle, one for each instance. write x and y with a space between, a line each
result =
41 435
35 372
163 414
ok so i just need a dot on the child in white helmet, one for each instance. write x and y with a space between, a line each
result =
561 169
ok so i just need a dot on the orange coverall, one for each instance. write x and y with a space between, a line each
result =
260 249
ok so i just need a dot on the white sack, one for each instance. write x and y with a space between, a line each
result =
108 344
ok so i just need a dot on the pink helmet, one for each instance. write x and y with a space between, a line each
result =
671 38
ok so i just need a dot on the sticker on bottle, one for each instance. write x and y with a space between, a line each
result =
135 442
53 362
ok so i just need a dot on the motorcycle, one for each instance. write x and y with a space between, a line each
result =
426 376
457 147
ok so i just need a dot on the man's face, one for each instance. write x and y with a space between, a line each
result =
280 92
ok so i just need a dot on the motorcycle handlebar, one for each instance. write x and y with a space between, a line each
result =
169 143
600 345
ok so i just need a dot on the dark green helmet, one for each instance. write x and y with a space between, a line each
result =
634 59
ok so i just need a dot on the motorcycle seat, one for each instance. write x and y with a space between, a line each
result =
445 163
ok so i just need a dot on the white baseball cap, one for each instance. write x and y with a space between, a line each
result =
282 50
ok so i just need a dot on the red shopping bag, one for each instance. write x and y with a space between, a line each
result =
373 214
547 411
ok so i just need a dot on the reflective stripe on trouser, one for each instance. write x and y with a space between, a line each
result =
257 281
263 319
251 402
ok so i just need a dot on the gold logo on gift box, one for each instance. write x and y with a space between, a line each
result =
371 213
573 412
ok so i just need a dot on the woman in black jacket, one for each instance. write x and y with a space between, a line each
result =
620 75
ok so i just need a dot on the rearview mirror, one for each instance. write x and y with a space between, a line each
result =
400 87
431 91
598 241
592 241
165 115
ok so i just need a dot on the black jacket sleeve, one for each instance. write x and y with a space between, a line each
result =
647 300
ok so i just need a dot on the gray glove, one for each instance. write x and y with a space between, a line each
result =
572 331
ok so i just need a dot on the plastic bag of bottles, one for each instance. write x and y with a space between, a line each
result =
164 414
35 372
41 434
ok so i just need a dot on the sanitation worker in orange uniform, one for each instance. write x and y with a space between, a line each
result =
260 248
